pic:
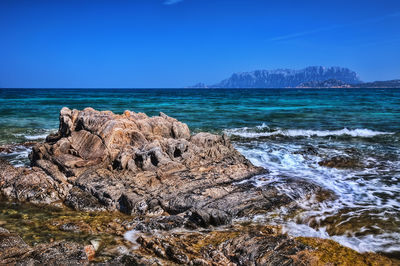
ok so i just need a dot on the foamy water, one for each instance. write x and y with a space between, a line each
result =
17 154
365 214
132 236
265 131
35 136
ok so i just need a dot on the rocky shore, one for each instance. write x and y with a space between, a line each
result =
185 198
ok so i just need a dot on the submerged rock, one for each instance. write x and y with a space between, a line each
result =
14 250
341 162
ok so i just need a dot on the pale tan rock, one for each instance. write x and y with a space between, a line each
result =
124 160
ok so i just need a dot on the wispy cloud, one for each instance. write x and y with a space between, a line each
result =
303 33
334 27
172 2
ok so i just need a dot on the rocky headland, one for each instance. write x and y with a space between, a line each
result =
285 78
165 195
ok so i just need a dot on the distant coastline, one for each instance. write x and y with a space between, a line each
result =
310 77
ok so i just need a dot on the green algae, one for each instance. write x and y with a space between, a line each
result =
44 224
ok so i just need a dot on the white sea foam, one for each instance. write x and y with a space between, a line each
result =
265 131
132 237
30 137
35 137
18 155
356 196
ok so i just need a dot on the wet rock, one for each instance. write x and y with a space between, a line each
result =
208 216
83 201
11 246
57 253
133 259
6 149
164 223
29 185
343 162
69 227
11 148
14 250
90 252
308 150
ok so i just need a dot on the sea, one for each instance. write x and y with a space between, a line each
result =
290 132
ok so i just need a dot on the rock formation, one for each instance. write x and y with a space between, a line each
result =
135 164
142 165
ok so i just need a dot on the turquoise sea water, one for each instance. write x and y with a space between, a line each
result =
287 131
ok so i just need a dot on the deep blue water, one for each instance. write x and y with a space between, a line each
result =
271 127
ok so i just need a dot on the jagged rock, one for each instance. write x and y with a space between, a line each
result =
208 216
133 259
30 185
164 223
344 162
11 246
138 164
82 201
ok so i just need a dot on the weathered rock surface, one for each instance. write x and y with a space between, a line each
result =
341 162
31 185
135 164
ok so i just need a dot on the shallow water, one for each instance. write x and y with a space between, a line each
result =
43 224
289 132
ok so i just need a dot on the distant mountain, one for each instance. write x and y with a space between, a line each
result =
283 78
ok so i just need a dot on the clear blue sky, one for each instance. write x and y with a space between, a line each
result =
171 43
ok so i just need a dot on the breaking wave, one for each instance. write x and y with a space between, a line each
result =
367 199
17 155
265 131
34 136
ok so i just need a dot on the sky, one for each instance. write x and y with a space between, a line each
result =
178 43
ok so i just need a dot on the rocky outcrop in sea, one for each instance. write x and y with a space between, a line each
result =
187 198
